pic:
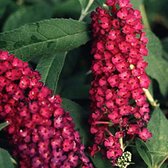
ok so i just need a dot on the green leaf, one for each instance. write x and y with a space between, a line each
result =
70 62
83 3
165 165
44 37
28 14
165 44
143 151
3 5
100 162
80 119
155 151
100 2
158 144
136 4
157 66
50 68
165 48
5 159
3 125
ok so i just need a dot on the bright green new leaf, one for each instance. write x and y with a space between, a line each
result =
5 159
157 66
44 37
50 68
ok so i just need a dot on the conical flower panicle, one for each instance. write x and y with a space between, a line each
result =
118 103
40 130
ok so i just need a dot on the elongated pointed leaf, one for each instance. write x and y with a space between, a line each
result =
44 37
158 144
5 160
100 162
50 68
3 125
144 152
155 151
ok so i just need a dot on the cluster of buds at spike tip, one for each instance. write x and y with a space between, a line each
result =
124 160
40 131
119 107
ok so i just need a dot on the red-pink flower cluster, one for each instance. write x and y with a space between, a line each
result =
119 105
41 132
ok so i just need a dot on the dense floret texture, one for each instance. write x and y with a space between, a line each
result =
40 131
119 106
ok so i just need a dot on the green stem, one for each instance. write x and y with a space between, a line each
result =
144 17
85 11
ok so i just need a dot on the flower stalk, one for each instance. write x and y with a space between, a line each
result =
150 98
84 12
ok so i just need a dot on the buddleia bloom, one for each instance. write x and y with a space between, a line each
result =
40 131
119 107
